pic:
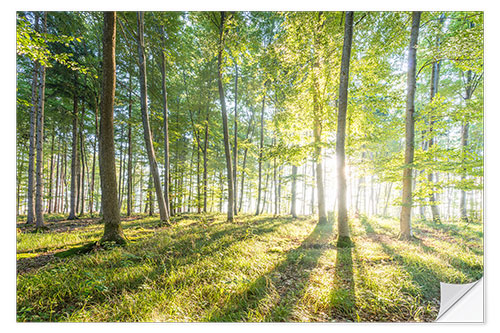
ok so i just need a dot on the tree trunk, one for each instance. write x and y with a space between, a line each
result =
434 89
343 224
405 220
74 158
51 172
235 147
129 162
166 142
317 126
56 194
293 205
145 119
205 162
32 140
92 182
39 142
261 150
111 215
227 149
82 153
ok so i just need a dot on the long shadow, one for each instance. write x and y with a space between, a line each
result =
178 254
343 296
285 284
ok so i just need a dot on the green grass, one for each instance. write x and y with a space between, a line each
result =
262 268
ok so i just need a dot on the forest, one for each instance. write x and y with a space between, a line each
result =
246 166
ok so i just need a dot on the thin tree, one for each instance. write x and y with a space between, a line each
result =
343 224
32 140
74 158
261 151
293 204
39 142
110 212
405 220
153 166
166 146
227 149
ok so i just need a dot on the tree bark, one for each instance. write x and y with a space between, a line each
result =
51 172
227 149
74 157
405 220
111 215
32 140
235 147
92 182
166 142
434 89
39 142
145 119
261 150
343 224
293 205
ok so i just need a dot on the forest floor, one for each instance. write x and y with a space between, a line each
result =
258 268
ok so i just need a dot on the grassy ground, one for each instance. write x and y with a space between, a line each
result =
256 269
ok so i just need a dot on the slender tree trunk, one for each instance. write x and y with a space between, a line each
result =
343 224
74 158
129 162
434 89
261 151
82 153
317 126
150 196
58 166
39 142
145 119
166 142
32 140
405 221
51 172
304 189
205 162
110 213
293 205
227 149
235 147
313 205
92 182
120 176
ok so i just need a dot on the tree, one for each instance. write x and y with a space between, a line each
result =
153 166
39 142
110 212
405 219
343 225
227 149
32 139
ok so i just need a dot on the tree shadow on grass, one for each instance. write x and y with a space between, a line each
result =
343 296
273 296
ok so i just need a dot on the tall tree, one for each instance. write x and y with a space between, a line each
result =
405 219
166 145
32 139
110 212
261 152
227 149
39 141
343 224
153 166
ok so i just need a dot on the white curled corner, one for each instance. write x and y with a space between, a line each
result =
461 303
